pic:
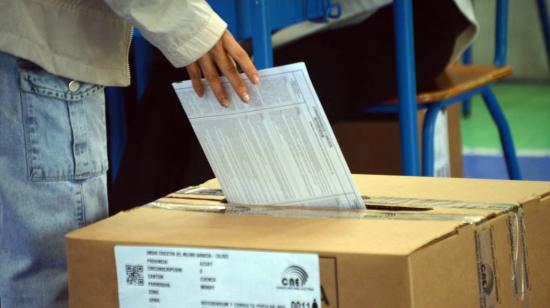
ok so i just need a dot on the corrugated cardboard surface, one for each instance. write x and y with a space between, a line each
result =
537 232
432 274
499 268
145 225
371 255
532 196
377 262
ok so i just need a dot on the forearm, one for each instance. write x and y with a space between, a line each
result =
183 30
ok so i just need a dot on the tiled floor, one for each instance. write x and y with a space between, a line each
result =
527 108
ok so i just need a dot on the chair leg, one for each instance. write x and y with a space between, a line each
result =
505 135
545 25
406 86
467 59
428 132
467 107
143 55
261 34
116 123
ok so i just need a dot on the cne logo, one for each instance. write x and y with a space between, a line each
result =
487 278
294 277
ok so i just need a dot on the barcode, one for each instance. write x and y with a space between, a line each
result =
134 275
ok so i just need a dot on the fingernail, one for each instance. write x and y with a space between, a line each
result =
225 102
256 79
246 97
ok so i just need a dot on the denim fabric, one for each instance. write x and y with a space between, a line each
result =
53 164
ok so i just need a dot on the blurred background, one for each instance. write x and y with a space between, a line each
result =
524 97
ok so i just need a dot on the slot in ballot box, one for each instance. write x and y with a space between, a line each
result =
422 242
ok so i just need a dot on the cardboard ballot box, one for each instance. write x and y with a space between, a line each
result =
424 242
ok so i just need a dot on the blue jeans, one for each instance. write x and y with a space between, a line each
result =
53 164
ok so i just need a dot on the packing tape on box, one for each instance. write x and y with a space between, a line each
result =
486 267
520 270
199 192
516 229
287 211
434 203
403 209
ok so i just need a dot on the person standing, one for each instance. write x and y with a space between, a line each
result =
56 56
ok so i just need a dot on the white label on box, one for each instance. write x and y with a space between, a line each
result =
155 277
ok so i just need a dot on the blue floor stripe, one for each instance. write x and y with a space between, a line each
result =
493 167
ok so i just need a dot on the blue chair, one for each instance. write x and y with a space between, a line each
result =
258 18
254 19
545 25
457 84
467 59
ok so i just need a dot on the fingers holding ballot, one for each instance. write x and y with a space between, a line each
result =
224 57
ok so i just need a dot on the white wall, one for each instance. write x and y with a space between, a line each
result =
526 51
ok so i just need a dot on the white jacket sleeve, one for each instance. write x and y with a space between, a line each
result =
183 30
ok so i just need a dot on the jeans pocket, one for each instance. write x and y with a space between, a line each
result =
64 124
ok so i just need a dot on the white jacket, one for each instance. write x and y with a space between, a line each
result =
89 40
355 11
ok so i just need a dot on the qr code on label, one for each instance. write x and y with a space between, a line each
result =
134 275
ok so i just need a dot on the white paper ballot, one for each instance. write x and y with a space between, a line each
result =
277 150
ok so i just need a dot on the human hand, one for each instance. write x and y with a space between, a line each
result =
225 56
